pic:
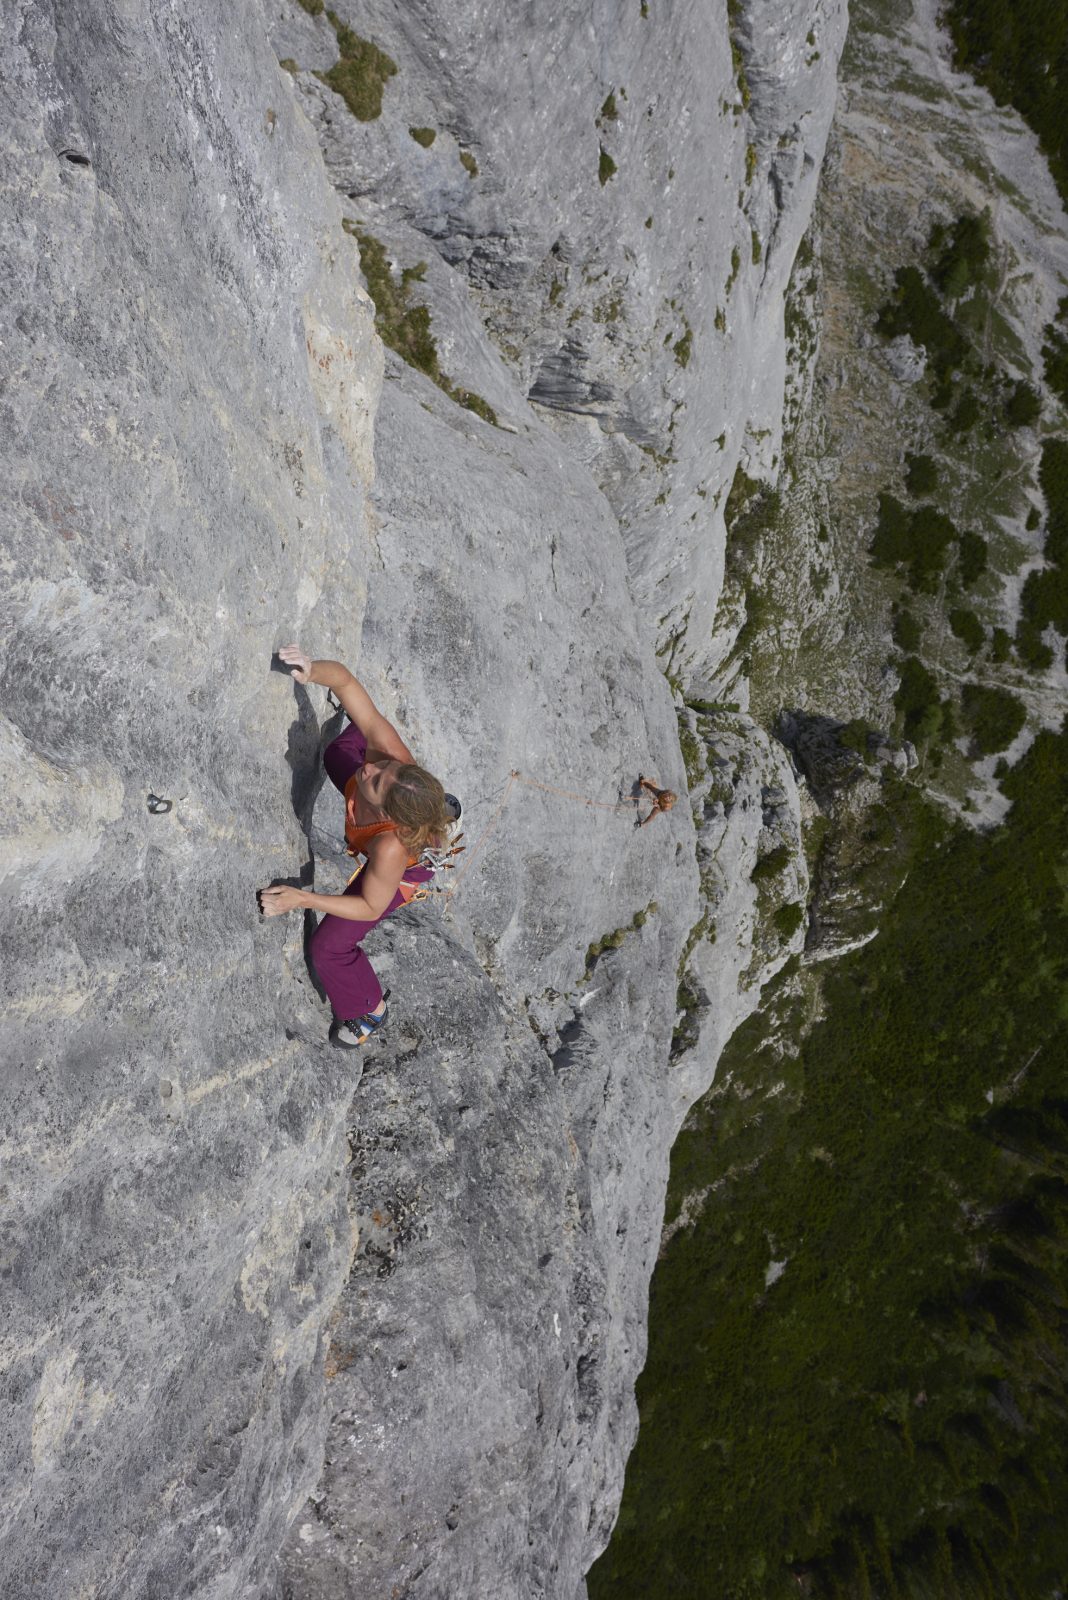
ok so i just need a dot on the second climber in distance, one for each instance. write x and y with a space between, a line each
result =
394 812
663 799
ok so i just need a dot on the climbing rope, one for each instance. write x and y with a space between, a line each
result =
514 777
480 841
601 805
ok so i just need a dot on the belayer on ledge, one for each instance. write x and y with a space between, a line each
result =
397 816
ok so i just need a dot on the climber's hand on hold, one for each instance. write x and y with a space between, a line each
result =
280 898
300 665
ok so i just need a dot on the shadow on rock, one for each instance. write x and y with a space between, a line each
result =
307 740
303 754
815 742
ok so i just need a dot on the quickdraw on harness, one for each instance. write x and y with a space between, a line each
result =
436 861
431 860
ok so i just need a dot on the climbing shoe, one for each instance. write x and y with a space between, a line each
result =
356 1032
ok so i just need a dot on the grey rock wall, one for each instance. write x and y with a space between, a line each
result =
190 375
192 422
522 1147
644 314
516 1495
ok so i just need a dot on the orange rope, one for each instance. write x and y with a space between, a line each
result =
514 777
601 805
480 841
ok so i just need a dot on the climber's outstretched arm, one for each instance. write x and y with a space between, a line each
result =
357 704
276 901
378 883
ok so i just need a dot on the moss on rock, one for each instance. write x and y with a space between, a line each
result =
405 327
361 72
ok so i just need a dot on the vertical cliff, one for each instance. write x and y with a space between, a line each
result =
616 306
585 250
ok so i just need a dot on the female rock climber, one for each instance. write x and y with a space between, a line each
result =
394 810
663 799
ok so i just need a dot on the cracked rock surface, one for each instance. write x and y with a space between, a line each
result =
223 1267
190 376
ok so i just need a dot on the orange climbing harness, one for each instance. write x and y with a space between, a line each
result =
359 835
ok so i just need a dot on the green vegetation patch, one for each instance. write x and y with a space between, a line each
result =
788 919
770 865
469 164
404 326
916 540
734 16
613 940
994 717
470 401
966 412
906 630
1045 594
1020 52
1055 352
1023 407
921 476
855 1386
856 735
957 260
424 136
947 306
967 628
314 8
714 708
736 263
971 558
361 72
915 308
751 513
606 167
1000 645
682 349
919 707
961 252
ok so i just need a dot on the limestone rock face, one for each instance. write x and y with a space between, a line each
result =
518 1147
190 376
209 453
642 178
527 520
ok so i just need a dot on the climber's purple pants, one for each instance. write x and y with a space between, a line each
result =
344 971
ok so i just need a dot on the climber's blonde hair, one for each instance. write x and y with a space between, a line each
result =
415 801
